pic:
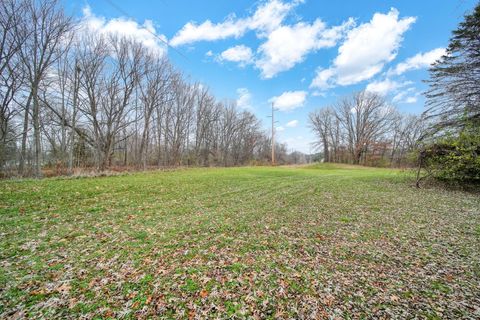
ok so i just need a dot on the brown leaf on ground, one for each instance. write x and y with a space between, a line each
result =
204 293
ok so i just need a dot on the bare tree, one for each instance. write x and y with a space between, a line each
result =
406 130
321 122
360 128
178 118
365 116
46 30
207 115
11 76
153 96
107 99
109 92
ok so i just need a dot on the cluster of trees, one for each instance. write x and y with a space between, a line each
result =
444 141
450 148
364 129
72 98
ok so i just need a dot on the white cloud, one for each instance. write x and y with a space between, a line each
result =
418 61
383 87
209 53
318 93
400 90
365 51
288 45
241 54
289 100
323 78
244 98
406 96
266 18
208 31
400 96
292 124
280 129
144 33
411 99
285 45
270 16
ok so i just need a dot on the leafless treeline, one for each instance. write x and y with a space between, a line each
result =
364 129
72 98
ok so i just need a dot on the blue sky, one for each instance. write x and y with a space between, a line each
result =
301 55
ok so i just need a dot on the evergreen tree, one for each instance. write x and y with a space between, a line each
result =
453 99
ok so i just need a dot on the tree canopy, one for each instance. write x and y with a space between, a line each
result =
454 95
452 147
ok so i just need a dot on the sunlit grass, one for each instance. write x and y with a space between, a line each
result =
257 241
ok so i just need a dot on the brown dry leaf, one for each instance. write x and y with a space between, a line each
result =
37 292
64 288
328 300
283 283
92 283
204 293
72 303
108 314
320 237
147 260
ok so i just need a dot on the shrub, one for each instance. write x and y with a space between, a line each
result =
455 158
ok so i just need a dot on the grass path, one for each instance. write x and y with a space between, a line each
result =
301 242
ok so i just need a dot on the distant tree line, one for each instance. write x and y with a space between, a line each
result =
364 128
443 142
72 98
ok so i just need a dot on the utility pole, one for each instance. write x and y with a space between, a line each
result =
273 135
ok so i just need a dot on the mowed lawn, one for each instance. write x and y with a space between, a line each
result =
286 242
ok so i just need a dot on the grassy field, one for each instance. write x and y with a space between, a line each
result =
307 242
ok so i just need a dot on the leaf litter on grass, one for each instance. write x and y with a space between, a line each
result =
302 242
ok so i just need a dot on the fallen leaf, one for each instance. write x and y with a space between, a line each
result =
204 293
64 288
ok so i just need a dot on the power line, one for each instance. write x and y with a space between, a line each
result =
119 9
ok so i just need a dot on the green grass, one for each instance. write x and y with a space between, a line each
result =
284 242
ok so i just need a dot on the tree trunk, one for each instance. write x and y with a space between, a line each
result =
326 153
23 155
37 172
